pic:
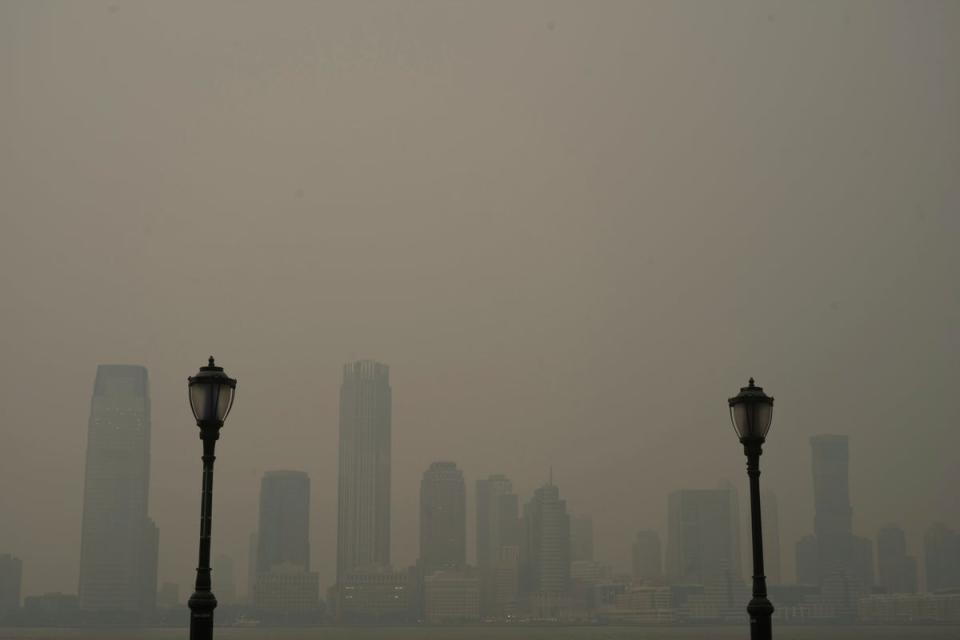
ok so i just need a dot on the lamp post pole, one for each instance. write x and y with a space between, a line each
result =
760 609
211 398
751 412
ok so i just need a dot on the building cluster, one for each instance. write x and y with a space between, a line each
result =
534 560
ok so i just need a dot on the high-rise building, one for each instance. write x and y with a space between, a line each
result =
11 577
941 551
252 543
647 558
770 516
168 596
581 538
545 552
837 550
118 548
443 518
224 580
833 515
498 540
363 485
898 571
283 536
806 561
284 583
702 542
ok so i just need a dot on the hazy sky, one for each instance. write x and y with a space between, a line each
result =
572 229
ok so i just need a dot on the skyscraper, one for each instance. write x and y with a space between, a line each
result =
498 544
941 551
581 538
770 516
647 557
702 537
834 547
363 509
545 552
11 577
118 548
224 579
443 518
898 571
283 536
284 583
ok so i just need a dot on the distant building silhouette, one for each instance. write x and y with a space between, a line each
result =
363 511
451 597
284 583
283 536
224 579
834 550
941 551
11 578
376 594
770 514
252 543
119 543
168 596
545 552
702 536
647 558
898 571
443 518
498 544
581 538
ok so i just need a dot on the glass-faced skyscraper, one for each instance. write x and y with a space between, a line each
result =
443 518
363 485
118 548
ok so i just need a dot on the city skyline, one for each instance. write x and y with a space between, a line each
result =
571 229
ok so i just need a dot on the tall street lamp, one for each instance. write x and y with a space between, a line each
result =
211 397
751 412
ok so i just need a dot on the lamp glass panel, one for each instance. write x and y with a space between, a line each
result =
763 416
224 401
200 400
738 414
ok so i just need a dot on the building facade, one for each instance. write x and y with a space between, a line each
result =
284 583
451 597
363 485
545 553
498 545
833 549
581 538
443 518
119 543
897 570
702 537
941 551
647 558
11 579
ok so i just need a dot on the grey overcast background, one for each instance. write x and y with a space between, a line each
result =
572 229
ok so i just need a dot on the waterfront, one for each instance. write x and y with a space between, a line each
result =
500 633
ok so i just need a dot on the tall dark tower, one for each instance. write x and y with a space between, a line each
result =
118 546
284 533
363 485
546 549
498 544
443 518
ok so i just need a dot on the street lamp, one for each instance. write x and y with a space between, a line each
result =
751 412
211 397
